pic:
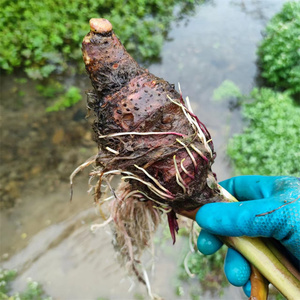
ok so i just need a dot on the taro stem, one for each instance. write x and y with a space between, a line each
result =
260 256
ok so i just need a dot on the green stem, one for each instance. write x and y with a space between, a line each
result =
258 254
281 257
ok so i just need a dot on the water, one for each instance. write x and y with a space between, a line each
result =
47 238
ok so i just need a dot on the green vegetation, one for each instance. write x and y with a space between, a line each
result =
55 90
44 36
206 269
199 272
6 276
33 290
227 90
270 143
50 90
279 52
68 99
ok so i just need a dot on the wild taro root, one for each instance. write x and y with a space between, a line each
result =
147 134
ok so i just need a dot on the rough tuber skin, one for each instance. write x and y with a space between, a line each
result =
127 98
146 133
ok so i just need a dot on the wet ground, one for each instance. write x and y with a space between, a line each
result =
45 236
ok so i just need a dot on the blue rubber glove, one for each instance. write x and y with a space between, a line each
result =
274 212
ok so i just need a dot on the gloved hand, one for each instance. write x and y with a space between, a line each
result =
274 212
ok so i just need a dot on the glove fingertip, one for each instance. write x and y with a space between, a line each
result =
219 218
247 288
208 243
207 216
237 269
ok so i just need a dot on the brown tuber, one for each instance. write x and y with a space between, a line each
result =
149 135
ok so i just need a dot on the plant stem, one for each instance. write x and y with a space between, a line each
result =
260 256
281 257
259 285
275 270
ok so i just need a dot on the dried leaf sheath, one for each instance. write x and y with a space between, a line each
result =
146 133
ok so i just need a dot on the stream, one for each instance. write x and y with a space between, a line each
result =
44 235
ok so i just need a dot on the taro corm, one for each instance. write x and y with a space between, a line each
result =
149 136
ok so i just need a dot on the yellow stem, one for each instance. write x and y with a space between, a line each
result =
260 256
259 285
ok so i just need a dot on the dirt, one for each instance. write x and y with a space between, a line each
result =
38 149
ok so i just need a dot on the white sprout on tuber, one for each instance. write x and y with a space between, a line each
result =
188 104
179 179
193 121
154 179
112 150
151 187
136 192
189 152
199 152
185 170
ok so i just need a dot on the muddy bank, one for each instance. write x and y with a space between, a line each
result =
38 149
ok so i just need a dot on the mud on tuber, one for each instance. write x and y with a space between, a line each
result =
147 134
